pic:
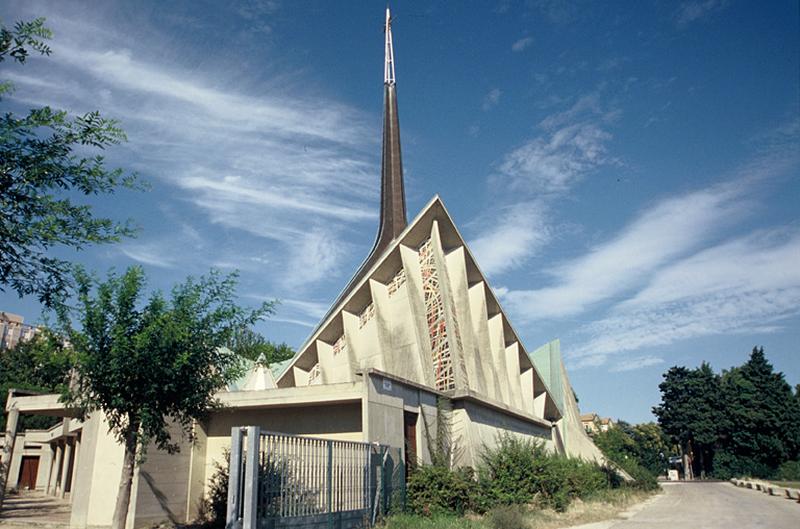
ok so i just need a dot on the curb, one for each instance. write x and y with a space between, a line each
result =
768 488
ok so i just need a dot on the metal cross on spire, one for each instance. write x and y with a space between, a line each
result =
388 71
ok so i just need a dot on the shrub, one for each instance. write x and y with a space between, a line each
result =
433 489
511 472
214 507
517 471
643 479
789 471
580 479
728 465
507 517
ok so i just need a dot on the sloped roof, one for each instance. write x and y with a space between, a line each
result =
357 294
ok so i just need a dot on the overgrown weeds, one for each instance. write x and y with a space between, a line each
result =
602 505
513 472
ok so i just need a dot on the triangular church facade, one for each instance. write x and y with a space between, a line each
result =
416 333
419 309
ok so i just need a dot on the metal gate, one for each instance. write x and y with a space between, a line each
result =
288 481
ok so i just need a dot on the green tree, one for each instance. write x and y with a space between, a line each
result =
151 365
761 429
253 346
652 447
617 443
41 174
41 364
690 412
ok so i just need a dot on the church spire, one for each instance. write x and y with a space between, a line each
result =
393 199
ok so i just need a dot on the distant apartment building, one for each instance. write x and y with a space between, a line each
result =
13 330
593 423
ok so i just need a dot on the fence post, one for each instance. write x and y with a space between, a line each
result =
330 484
251 477
234 480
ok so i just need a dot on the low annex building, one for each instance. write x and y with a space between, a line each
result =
417 330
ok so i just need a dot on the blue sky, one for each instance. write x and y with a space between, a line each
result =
625 172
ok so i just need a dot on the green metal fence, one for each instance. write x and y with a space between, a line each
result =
288 481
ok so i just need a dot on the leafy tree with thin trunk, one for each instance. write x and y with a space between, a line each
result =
152 366
49 160
41 364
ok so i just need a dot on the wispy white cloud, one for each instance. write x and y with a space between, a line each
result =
149 254
749 284
314 309
640 362
293 321
689 12
295 311
512 236
661 233
522 44
571 145
674 272
491 99
280 164
555 162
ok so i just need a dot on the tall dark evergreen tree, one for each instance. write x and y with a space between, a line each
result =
761 429
689 412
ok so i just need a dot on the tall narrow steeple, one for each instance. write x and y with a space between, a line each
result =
393 198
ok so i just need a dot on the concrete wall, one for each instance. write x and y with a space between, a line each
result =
476 427
577 442
333 421
386 400
473 425
162 484
97 476
197 473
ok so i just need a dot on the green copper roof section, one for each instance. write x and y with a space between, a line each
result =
278 368
547 360
247 365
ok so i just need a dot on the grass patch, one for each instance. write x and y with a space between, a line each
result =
437 521
790 484
602 505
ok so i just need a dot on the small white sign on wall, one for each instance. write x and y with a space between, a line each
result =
387 384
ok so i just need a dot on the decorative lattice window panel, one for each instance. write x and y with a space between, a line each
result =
437 326
339 345
367 314
398 279
315 375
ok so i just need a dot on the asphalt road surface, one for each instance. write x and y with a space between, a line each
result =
711 506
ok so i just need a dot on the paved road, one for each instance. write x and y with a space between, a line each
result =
712 506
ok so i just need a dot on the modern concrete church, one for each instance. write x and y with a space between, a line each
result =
417 325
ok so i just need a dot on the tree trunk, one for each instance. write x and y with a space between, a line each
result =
702 462
125 482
